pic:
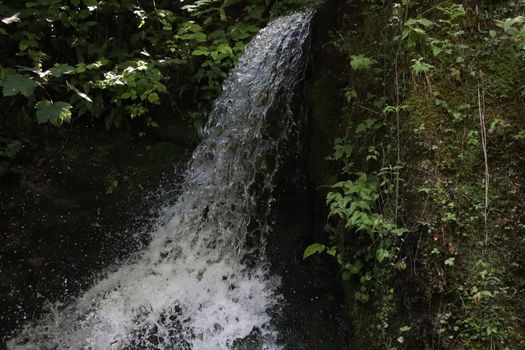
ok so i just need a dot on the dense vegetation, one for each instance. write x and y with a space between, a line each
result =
427 218
111 62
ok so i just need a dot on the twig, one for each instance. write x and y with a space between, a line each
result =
398 137
367 109
481 106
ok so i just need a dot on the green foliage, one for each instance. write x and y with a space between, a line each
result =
116 59
447 133
418 66
446 81
353 202
361 62
313 249
14 84
55 113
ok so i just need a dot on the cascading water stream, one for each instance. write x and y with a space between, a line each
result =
202 283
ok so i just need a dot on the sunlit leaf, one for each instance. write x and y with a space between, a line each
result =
153 98
313 249
79 93
60 69
361 62
55 113
11 19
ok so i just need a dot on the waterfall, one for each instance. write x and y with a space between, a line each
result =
203 282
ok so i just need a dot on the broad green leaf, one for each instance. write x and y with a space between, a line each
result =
425 22
153 98
225 48
14 84
60 69
55 113
313 249
201 51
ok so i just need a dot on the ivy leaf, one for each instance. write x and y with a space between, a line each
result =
55 113
313 249
14 84
60 69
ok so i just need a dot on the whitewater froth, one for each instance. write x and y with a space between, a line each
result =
201 283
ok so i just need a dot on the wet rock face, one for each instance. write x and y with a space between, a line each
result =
313 316
323 96
62 212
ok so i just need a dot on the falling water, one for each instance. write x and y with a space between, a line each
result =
203 282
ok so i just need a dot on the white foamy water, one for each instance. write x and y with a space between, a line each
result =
203 282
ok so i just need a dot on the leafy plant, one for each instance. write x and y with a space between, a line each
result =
353 202
361 62
115 59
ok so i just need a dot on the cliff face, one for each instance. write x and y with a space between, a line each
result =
427 102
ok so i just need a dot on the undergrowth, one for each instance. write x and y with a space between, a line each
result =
117 63
427 219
